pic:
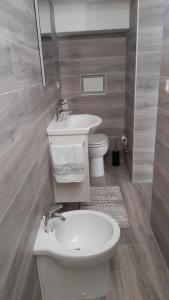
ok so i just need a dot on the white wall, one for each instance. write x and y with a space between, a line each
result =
81 17
44 12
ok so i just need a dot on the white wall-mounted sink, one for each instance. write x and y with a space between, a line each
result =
75 124
73 260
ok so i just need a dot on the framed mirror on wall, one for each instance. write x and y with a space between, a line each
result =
47 40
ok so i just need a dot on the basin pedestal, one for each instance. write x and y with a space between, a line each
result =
72 284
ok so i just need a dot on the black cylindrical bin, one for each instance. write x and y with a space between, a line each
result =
116 156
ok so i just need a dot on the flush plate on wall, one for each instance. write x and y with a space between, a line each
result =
93 84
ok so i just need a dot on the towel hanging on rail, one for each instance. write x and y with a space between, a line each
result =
67 163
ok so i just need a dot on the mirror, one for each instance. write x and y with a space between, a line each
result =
47 40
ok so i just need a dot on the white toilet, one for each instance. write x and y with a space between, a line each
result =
98 147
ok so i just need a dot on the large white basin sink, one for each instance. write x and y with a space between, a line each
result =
84 239
75 124
73 259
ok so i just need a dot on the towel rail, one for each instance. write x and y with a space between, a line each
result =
83 144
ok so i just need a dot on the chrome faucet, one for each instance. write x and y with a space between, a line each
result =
53 214
62 108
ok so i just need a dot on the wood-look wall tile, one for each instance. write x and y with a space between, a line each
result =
32 290
6 68
160 203
14 117
17 24
111 65
101 102
143 99
25 175
86 55
35 194
40 100
89 46
159 221
12 164
161 166
24 259
28 6
151 11
26 65
130 82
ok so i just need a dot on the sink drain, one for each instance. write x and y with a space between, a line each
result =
78 249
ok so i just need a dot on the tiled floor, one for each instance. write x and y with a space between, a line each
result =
139 271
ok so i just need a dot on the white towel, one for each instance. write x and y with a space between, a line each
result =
68 163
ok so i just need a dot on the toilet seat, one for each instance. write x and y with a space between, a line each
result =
97 140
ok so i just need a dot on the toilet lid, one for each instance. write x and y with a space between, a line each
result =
97 139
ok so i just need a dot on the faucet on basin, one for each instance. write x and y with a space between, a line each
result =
53 214
62 108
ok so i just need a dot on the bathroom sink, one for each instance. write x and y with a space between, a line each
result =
79 229
85 238
75 124
73 259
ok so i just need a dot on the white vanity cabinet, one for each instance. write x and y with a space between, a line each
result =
73 131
